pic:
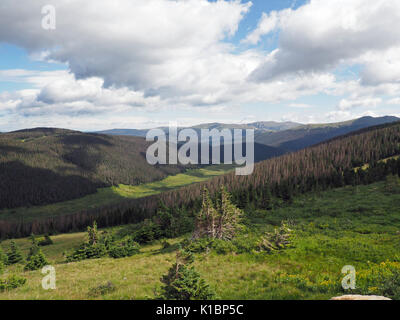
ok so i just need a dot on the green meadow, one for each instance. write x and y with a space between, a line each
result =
358 226
115 194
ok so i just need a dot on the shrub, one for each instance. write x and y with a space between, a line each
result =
125 248
102 289
148 232
165 244
3 257
198 245
92 248
11 282
46 241
88 251
223 247
14 255
245 243
36 259
107 239
173 222
183 282
277 240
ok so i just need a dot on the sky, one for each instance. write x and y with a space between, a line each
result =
143 63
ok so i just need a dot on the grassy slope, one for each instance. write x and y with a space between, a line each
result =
111 195
352 225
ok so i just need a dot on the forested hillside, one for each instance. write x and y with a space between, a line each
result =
330 164
41 166
307 135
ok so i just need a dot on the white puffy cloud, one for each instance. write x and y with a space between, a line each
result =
381 67
157 46
323 33
58 92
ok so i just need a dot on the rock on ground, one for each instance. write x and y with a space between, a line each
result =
360 297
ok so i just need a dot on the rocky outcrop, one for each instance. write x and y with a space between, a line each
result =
360 297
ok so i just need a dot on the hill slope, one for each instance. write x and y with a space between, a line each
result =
44 165
351 225
308 135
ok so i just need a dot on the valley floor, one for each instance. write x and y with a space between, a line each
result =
356 226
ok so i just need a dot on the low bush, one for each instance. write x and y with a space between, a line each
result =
46 241
279 239
148 232
165 244
88 251
124 248
11 282
36 259
102 289
3 258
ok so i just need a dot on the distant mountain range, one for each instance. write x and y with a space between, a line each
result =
263 126
307 135
286 136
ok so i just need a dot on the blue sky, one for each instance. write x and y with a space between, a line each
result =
144 64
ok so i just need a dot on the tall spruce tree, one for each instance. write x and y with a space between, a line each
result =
36 259
14 254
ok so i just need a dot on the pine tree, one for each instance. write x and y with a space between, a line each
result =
229 216
3 261
183 282
34 248
14 254
219 221
266 202
207 218
36 259
3 257
93 234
